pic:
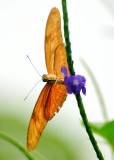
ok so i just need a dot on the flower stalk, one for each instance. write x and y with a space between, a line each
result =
72 72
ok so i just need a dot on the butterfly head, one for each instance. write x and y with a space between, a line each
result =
44 78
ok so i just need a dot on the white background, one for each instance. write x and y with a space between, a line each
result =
22 28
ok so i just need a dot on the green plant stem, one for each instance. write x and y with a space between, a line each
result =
88 128
97 88
78 96
67 39
15 143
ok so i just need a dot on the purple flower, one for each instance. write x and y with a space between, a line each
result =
74 84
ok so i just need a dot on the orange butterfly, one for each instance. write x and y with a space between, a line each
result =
54 92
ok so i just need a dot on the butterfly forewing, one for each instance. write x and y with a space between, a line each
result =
38 119
60 60
53 37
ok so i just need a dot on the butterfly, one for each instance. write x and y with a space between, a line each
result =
54 92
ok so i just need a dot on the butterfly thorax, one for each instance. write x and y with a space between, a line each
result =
51 78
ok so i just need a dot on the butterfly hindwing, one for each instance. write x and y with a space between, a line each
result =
48 103
57 96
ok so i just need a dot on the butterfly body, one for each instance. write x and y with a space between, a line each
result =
54 92
52 78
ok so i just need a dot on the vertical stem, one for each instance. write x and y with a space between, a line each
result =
78 96
67 39
88 128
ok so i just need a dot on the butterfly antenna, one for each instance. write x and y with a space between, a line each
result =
33 66
31 90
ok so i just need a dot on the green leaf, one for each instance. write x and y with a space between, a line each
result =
105 130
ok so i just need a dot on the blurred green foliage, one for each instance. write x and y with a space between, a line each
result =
51 146
105 130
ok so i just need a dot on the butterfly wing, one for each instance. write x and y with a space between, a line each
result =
55 55
38 119
53 37
56 98
60 59
52 95
58 93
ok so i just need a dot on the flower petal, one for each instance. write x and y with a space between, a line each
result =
74 84
69 89
84 90
64 70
